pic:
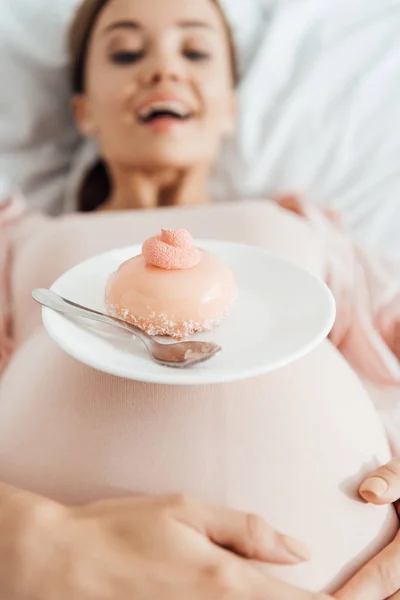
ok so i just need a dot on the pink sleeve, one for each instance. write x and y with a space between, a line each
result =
367 292
11 209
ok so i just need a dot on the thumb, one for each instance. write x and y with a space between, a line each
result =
380 578
247 535
383 485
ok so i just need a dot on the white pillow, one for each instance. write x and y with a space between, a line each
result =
247 20
37 136
321 113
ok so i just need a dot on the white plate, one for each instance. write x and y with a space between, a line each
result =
282 313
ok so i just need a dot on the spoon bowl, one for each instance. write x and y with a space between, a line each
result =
178 355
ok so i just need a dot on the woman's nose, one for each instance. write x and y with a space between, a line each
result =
160 70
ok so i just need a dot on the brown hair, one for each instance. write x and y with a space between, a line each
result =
97 186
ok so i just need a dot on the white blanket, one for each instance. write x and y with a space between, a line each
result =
321 112
37 136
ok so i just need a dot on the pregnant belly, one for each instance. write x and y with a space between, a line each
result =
292 446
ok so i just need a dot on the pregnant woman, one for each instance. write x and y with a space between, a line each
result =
154 85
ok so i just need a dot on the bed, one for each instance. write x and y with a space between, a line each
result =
319 108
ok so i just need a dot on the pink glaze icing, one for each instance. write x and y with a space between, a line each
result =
172 301
173 249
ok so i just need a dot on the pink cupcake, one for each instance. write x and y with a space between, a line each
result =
173 288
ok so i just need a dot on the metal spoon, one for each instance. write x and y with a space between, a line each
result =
178 355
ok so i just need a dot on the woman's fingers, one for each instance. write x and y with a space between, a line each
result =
383 486
251 537
245 534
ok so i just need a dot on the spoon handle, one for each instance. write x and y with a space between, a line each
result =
55 302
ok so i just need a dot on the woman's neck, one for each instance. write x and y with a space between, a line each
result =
167 187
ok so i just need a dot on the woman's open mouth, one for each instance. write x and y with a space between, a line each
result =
164 113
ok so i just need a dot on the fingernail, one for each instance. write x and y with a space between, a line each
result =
375 486
296 548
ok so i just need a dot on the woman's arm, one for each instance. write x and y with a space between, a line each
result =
366 287
146 547
12 208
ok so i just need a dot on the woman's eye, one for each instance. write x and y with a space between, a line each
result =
126 58
196 55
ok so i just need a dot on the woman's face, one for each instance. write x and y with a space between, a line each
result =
159 89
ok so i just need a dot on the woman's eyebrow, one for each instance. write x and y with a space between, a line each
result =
133 25
136 26
198 24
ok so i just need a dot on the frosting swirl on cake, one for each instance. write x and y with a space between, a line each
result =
173 249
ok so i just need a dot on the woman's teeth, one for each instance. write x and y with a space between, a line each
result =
164 109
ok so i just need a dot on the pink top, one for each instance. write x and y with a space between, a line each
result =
292 445
366 288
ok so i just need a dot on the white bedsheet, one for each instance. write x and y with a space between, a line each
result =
37 137
321 113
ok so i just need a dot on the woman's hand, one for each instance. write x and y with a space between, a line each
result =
144 548
380 578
